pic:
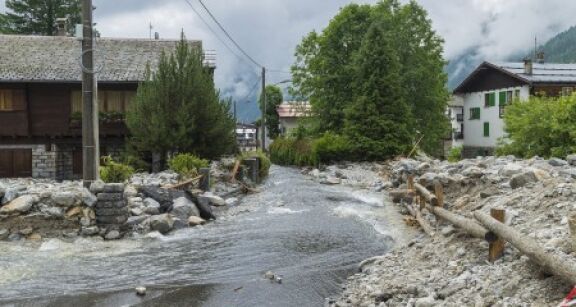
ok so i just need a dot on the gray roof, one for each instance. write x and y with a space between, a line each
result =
57 59
542 73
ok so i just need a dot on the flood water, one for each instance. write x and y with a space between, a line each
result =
312 235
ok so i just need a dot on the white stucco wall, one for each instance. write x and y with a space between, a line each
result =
288 124
474 129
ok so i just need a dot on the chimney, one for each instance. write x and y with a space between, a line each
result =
61 25
528 66
540 57
156 35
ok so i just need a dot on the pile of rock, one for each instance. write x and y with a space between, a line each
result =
451 269
360 175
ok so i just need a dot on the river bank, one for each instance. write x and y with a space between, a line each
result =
451 268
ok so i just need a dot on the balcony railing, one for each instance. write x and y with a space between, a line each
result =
460 118
459 135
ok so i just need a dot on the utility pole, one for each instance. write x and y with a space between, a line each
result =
264 108
90 142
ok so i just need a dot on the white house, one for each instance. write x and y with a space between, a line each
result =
290 112
455 113
493 86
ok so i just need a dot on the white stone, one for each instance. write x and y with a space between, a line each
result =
88 198
64 199
195 221
20 205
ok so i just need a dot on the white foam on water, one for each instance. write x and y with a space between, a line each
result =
277 210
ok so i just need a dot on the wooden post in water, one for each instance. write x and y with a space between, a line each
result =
439 192
205 180
496 247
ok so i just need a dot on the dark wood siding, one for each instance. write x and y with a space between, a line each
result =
15 163
486 79
77 163
15 123
550 90
49 109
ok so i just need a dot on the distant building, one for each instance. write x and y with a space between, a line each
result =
290 112
455 113
493 86
247 137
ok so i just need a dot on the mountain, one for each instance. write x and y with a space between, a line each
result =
561 48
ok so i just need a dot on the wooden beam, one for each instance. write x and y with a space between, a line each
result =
564 268
469 226
421 221
496 247
431 198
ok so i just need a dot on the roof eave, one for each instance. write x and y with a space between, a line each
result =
458 89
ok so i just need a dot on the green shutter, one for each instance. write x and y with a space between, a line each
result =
486 129
492 99
503 99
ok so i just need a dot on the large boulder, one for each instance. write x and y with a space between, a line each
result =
557 162
64 199
19 205
183 208
510 170
88 198
473 172
211 199
522 179
151 206
203 207
10 194
571 160
162 223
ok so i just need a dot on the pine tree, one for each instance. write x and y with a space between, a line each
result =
179 110
273 99
38 16
379 120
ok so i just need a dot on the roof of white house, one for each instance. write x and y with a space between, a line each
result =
291 109
57 58
542 72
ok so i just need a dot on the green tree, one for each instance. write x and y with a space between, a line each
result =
38 16
541 126
179 110
379 120
273 99
325 69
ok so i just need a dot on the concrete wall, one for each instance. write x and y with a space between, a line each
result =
288 124
474 129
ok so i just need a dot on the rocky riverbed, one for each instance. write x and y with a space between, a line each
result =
35 209
451 268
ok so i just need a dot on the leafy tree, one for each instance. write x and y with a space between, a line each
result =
178 109
273 100
38 16
379 119
326 68
541 126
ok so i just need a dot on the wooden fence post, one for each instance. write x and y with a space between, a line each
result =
205 180
496 247
439 191
411 183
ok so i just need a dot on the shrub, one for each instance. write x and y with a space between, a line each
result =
333 148
541 126
114 172
455 154
187 165
296 152
264 165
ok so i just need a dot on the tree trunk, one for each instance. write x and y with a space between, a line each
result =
564 268
158 160
468 225
431 198
420 219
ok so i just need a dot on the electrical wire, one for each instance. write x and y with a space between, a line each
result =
228 35
245 99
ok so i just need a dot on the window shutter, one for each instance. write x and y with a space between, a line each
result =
486 129
503 98
492 99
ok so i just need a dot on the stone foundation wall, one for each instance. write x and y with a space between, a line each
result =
470 152
111 209
44 161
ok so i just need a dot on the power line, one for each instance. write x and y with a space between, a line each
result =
214 32
251 91
228 35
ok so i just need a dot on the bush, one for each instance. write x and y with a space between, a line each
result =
264 161
455 154
296 152
187 165
114 172
333 148
541 126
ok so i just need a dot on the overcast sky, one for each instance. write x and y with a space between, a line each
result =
269 30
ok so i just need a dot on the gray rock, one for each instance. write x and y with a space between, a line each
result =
85 221
4 233
331 180
114 188
425 302
520 180
195 221
179 224
89 231
162 223
88 198
233 201
557 162
136 211
64 199
448 230
510 170
14 237
149 202
130 191
9 195
136 220
19 205
52 211
135 202
183 208
97 187
2 192
473 172
112 235
571 160
152 210
210 199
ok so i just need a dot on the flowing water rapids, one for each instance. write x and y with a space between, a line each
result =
312 235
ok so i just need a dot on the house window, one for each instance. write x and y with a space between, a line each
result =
517 94
489 99
108 101
486 129
567 91
12 100
474 113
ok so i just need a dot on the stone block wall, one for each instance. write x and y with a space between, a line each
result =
44 161
64 163
471 152
111 208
